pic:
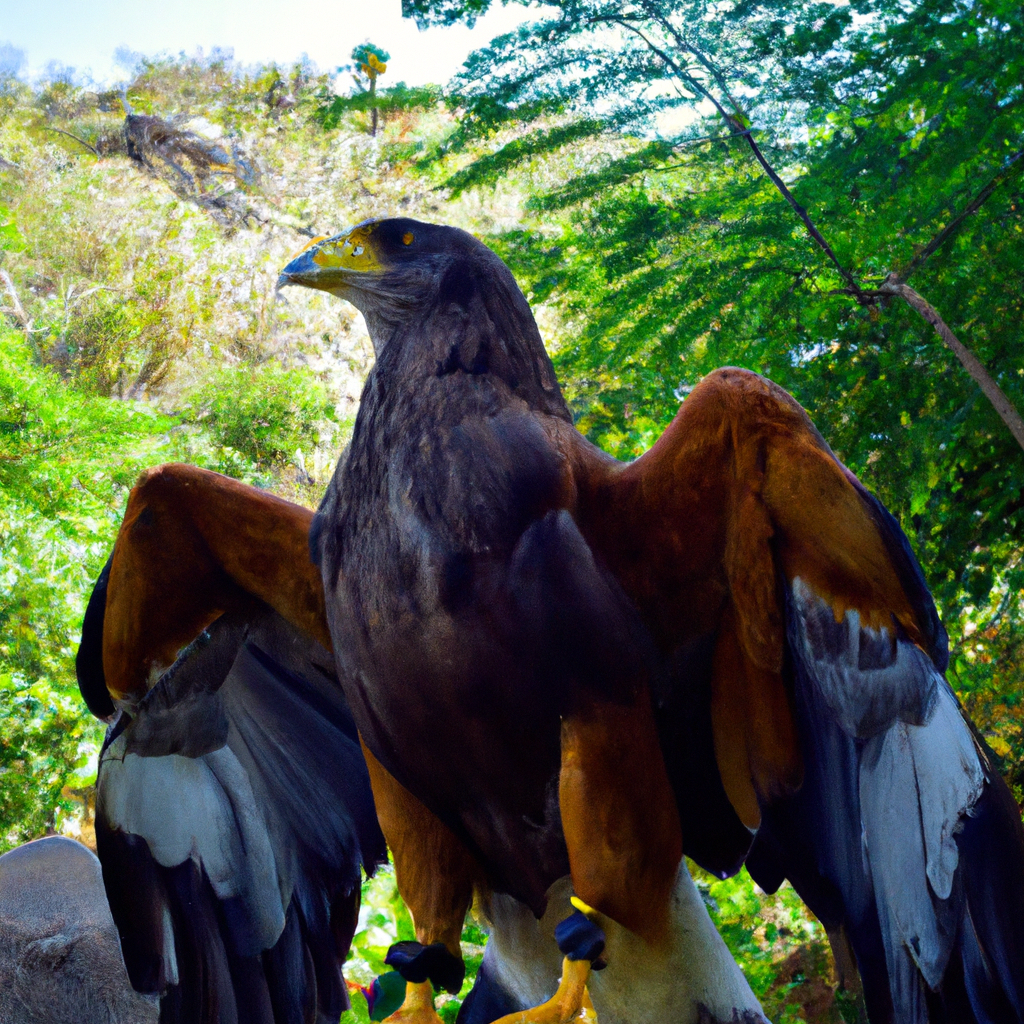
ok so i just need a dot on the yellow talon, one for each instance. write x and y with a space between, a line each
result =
582 907
418 1007
570 1004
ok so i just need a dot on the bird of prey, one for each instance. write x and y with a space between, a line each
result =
195 554
233 811
557 661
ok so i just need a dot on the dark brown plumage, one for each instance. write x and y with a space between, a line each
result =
515 614
556 660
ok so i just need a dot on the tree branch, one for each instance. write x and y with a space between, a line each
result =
1011 166
60 131
970 362
18 310
688 47
895 283
737 127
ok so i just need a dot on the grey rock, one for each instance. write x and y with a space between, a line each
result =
60 956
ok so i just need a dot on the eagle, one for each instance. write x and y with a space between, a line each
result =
220 571
566 672
559 661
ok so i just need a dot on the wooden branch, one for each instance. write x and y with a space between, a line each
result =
687 47
894 284
18 312
60 131
970 362
1010 166
737 127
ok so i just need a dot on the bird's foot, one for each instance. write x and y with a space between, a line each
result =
418 1007
571 1003
423 967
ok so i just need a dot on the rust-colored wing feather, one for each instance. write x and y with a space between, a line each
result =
834 730
738 498
193 544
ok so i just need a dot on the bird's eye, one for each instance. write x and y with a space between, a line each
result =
407 238
357 251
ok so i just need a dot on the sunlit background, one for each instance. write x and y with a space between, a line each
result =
99 38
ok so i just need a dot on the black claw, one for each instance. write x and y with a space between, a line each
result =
580 939
418 963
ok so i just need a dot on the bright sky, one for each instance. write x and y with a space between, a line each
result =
85 33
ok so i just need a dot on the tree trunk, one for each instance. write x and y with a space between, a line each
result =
16 310
970 362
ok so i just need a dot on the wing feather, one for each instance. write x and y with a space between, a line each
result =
233 815
740 522
89 659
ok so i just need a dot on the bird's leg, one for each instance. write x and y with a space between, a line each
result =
435 875
582 942
622 831
619 813
418 1007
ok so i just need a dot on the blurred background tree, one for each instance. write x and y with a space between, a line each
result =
371 61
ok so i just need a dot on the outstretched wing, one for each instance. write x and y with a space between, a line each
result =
193 544
233 816
794 615
234 809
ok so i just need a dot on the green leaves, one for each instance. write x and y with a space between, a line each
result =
43 740
444 12
11 239
370 55
331 110
783 950
67 462
264 412
487 170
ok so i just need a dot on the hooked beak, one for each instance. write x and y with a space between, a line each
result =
333 264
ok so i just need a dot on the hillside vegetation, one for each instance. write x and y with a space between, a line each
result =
141 235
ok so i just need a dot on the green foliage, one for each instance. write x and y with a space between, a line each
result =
44 743
383 920
67 462
213 86
782 948
444 12
331 110
11 239
265 412
488 169
369 58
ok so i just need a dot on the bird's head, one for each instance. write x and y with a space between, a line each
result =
392 270
437 293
